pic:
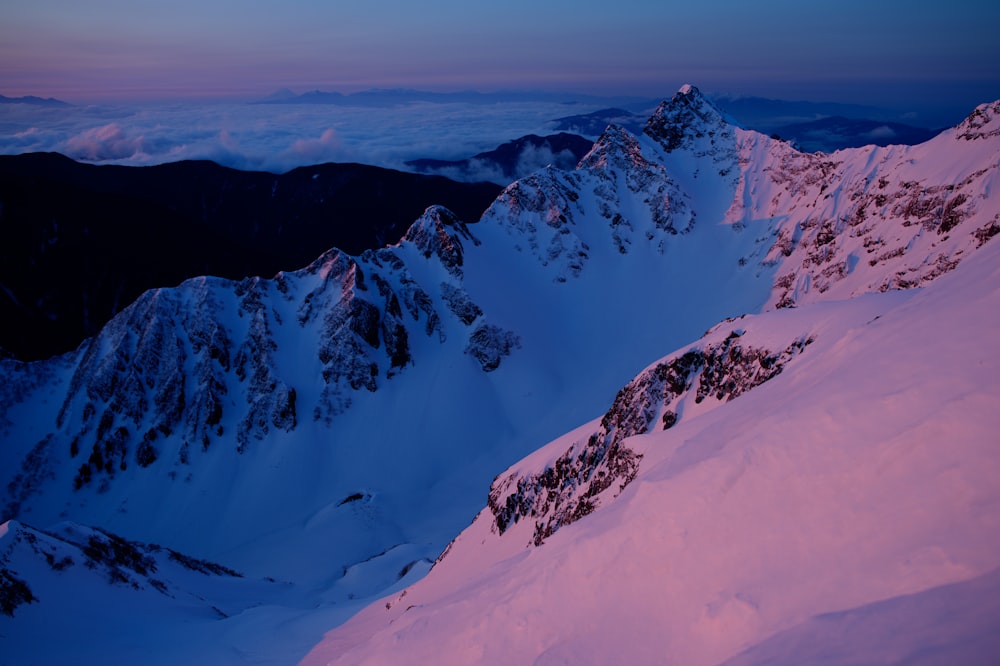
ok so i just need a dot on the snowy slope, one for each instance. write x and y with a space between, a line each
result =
844 511
101 597
336 426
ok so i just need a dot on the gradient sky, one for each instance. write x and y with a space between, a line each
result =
850 50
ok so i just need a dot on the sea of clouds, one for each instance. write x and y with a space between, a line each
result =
277 137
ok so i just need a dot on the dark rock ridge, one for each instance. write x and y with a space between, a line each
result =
617 155
182 369
34 100
981 123
599 467
69 552
687 118
81 242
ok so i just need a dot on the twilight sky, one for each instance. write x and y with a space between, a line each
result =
851 50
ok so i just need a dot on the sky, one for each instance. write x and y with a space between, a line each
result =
139 73
852 50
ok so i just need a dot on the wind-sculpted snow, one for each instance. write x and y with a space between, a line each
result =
598 468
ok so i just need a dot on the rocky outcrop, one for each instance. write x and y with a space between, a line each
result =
71 553
871 219
488 344
440 234
982 123
183 370
618 165
539 212
689 122
599 467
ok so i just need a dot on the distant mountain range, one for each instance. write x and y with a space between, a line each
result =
512 160
81 242
835 133
31 99
809 126
764 114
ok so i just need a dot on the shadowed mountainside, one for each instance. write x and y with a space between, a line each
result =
81 242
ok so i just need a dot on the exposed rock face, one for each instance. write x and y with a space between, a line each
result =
489 344
540 211
75 553
981 123
598 468
617 156
549 213
440 234
872 219
182 369
689 122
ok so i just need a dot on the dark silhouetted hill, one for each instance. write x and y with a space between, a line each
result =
80 242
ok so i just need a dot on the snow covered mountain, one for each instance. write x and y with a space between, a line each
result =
845 511
335 427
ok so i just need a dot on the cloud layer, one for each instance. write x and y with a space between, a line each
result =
276 137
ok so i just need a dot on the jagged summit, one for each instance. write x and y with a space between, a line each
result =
439 232
615 147
686 116
982 123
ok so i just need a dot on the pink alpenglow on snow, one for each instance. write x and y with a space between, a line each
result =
708 398
847 507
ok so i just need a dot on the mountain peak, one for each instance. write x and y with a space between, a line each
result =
982 123
439 232
616 145
688 115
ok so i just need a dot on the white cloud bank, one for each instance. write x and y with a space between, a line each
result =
274 137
